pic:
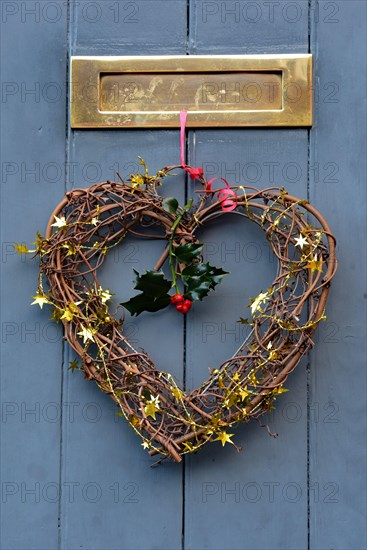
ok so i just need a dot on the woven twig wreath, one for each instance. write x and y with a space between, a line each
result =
172 422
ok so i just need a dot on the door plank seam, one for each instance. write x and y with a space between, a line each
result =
308 364
64 353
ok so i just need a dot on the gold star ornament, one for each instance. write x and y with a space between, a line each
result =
300 241
86 333
315 264
224 438
59 222
152 407
40 299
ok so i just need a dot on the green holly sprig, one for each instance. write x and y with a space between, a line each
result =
198 278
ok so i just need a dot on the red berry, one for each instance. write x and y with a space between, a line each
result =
188 304
179 307
184 309
177 299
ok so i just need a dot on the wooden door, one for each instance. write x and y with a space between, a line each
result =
73 474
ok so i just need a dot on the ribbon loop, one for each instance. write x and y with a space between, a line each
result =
183 119
226 196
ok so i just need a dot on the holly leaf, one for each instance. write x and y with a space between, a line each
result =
197 290
170 204
143 302
152 282
154 295
200 279
186 253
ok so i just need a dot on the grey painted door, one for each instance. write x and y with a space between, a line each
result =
73 474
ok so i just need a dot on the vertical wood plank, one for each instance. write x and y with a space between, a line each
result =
268 479
135 506
221 26
246 500
338 367
33 168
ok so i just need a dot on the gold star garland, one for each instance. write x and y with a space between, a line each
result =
283 318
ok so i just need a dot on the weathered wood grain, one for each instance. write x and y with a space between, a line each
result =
139 507
267 481
32 162
258 493
338 366
91 481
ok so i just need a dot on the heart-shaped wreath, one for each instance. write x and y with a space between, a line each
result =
172 422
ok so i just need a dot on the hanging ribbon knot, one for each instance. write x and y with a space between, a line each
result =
226 196
195 173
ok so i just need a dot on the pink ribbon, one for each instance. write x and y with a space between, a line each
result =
226 196
194 172
183 118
